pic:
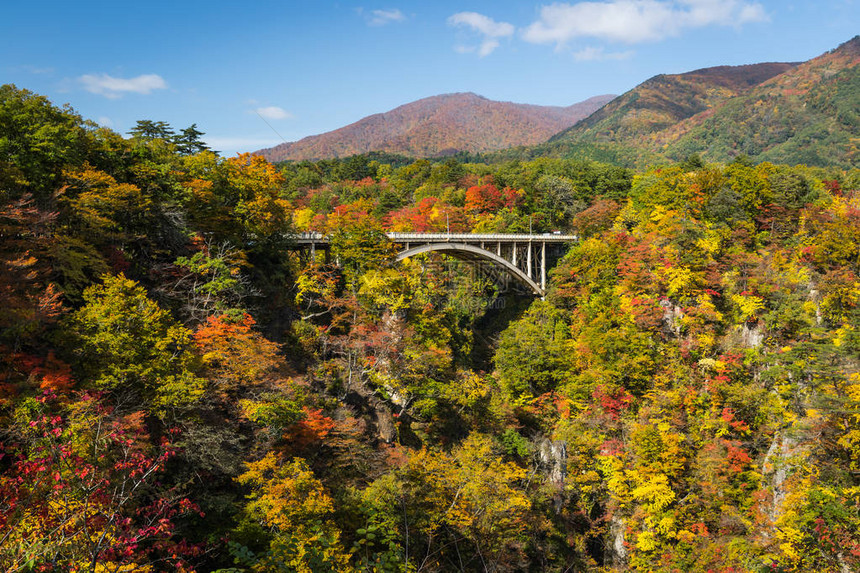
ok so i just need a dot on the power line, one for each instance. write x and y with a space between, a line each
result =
270 126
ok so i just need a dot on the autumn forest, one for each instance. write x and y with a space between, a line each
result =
182 388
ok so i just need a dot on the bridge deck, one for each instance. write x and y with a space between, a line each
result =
319 238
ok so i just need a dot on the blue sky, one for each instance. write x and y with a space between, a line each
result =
310 66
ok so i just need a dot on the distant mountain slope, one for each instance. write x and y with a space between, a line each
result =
441 125
782 112
665 100
809 114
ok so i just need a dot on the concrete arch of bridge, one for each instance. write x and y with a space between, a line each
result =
469 252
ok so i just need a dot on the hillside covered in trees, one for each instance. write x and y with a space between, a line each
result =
181 391
783 112
663 101
438 126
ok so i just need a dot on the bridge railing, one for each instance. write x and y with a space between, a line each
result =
457 237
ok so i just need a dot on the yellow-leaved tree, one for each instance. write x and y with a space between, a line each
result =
290 511
465 507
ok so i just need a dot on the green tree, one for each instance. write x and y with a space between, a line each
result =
37 140
148 129
127 345
531 355
188 141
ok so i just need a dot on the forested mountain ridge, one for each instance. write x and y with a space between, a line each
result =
664 100
181 391
438 126
791 113
808 114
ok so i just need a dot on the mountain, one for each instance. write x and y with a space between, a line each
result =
623 130
782 112
664 100
809 114
441 125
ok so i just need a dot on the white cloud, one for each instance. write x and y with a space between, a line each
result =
753 13
636 21
487 47
383 17
483 24
486 27
112 87
592 54
273 112
104 121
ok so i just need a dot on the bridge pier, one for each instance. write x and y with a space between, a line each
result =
543 266
529 259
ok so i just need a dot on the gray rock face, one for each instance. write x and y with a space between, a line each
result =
553 458
751 336
617 549
672 315
385 424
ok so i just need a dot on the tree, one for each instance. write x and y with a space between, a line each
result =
235 356
148 129
37 140
128 346
236 200
209 283
104 210
561 199
289 511
81 492
484 199
460 511
597 218
188 141
531 355
358 242
31 302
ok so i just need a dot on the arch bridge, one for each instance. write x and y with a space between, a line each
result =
524 257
